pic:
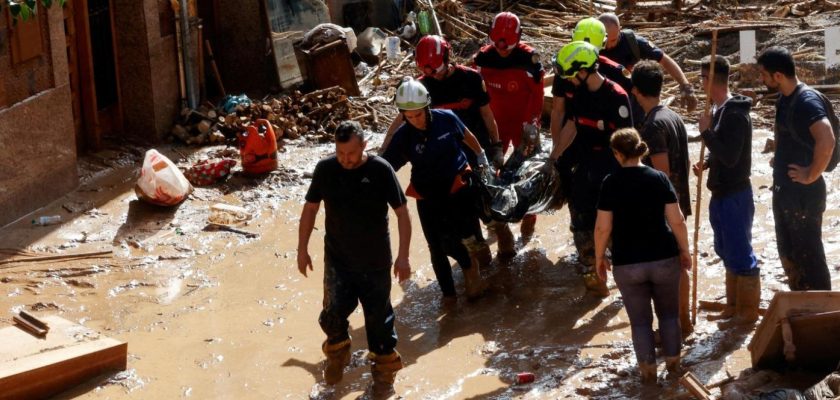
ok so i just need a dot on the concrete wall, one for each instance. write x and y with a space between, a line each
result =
148 68
37 139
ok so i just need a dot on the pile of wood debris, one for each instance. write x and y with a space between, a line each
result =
313 116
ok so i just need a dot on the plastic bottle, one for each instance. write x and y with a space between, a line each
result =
47 220
392 48
425 22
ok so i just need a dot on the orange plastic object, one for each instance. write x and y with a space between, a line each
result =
258 148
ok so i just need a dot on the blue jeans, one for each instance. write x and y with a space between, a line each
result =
639 284
343 291
731 217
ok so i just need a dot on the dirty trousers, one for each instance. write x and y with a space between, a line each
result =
446 222
584 191
731 217
798 211
638 284
343 290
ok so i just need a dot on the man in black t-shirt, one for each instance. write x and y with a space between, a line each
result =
356 190
804 145
627 49
664 132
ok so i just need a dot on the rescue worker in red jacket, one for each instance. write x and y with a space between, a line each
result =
459 89
514 76
600 107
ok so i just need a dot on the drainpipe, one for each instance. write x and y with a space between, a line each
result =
186 38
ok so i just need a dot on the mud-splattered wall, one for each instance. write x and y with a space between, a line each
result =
37 138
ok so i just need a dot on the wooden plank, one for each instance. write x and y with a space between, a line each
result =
766 346
690 382
69 355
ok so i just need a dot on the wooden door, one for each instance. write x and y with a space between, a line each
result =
94 69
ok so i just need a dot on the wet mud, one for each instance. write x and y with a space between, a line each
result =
214 314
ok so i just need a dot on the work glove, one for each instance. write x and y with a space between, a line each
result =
497 157
481 160
687 97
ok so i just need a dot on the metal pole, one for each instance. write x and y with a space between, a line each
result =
186 40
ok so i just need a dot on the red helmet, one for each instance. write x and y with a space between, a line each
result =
432 54
505 31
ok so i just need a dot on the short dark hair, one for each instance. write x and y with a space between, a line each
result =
721 68
777 59
347 129
647 78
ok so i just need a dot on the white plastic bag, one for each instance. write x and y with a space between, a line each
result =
161 182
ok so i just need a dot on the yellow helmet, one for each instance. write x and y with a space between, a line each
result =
590 30
574 57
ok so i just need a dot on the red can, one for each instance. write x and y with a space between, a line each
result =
524 377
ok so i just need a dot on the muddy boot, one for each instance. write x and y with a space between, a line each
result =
475 285
595 285
478 249
674 367
526 228
384 371
483 254
748 294
731 298
648 373
504 239
338 357
686 327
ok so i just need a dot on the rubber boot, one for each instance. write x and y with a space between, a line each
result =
384 369
686 327
473 282
595 285
748 294
484 255
338 357
648 373
526 227
504 238
674 367
731 298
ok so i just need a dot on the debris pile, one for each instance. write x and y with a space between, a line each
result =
312 115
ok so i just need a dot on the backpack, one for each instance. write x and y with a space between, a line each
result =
832 118
634 45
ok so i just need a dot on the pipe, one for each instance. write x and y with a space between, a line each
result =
192 99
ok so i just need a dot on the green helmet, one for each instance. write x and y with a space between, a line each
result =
590 30
412 95
574 57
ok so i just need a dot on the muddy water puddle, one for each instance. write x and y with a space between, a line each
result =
211 314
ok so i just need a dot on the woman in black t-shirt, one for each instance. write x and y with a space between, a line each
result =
638 207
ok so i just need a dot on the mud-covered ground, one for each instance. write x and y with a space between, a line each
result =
210 314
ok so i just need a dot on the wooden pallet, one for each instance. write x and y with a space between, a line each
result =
33 367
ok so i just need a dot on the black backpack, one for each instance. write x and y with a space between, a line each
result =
634 45
832 118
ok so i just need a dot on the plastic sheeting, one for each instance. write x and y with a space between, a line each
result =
523 186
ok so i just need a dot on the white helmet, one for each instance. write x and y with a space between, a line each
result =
412 95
